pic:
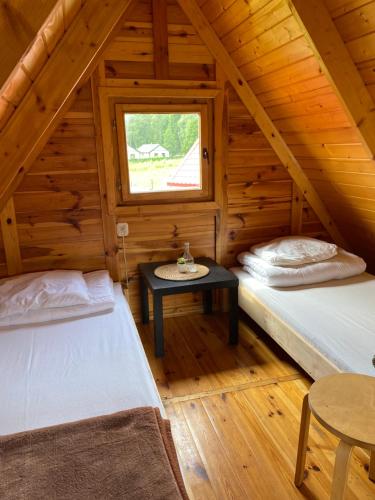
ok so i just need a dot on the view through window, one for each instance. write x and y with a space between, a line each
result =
163 151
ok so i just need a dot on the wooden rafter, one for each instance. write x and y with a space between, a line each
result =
50 95
8 227
261 117
338 66
160 36
109 220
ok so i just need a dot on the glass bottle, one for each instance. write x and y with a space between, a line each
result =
190 266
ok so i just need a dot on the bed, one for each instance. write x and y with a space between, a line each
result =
80 412
326 328
64 371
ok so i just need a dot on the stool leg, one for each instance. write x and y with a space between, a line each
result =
371 472
302 442
340 473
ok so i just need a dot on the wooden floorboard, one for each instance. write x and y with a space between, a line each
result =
235 415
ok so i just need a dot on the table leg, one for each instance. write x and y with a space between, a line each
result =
340 473
233 315
144 302
158 325
207 301
302 442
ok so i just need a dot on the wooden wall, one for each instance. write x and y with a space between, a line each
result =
3 265
259 189
273 54
61 205
255 198
57 205
160 233
355 21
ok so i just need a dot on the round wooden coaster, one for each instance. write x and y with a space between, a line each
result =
171 272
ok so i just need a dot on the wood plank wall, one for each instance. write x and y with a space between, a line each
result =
259 189
58 203
161 235
58 206
131 53
3 265
355 21
256 189
266 42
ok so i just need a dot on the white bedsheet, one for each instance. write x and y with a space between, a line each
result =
66 371
336 317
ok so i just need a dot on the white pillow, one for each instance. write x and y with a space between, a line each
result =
343 265
101 299
42 290
100 287
294 250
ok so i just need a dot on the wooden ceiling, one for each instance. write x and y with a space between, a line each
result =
314 78
20 20
316 81
42 85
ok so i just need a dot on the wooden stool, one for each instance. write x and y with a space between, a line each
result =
345 405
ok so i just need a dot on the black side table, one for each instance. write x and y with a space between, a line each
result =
218 277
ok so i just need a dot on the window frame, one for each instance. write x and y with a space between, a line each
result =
171 196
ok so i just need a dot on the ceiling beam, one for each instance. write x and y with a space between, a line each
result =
337 64
160 38
8 226
51 93
259 114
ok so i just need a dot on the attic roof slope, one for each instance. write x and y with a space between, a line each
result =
53 89
19 22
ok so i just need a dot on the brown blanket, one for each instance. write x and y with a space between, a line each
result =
127 455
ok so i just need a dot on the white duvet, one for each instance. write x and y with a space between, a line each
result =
343 265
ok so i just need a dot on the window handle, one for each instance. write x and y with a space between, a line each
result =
205 154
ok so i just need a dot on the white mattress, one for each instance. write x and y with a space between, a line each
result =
66 371
336 317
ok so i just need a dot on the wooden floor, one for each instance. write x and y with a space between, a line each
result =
235 415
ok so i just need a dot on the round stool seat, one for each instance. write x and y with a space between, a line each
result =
345 404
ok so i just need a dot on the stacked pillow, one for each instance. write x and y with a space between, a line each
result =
54 295
299 260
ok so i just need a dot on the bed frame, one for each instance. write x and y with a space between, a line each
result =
307 356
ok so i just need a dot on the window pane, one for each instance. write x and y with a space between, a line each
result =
163 151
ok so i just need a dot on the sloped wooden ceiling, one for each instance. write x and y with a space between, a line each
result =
337 64
41 87
269 47
19 22
59 206
27 66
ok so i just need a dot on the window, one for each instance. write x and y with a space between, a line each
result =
162 149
